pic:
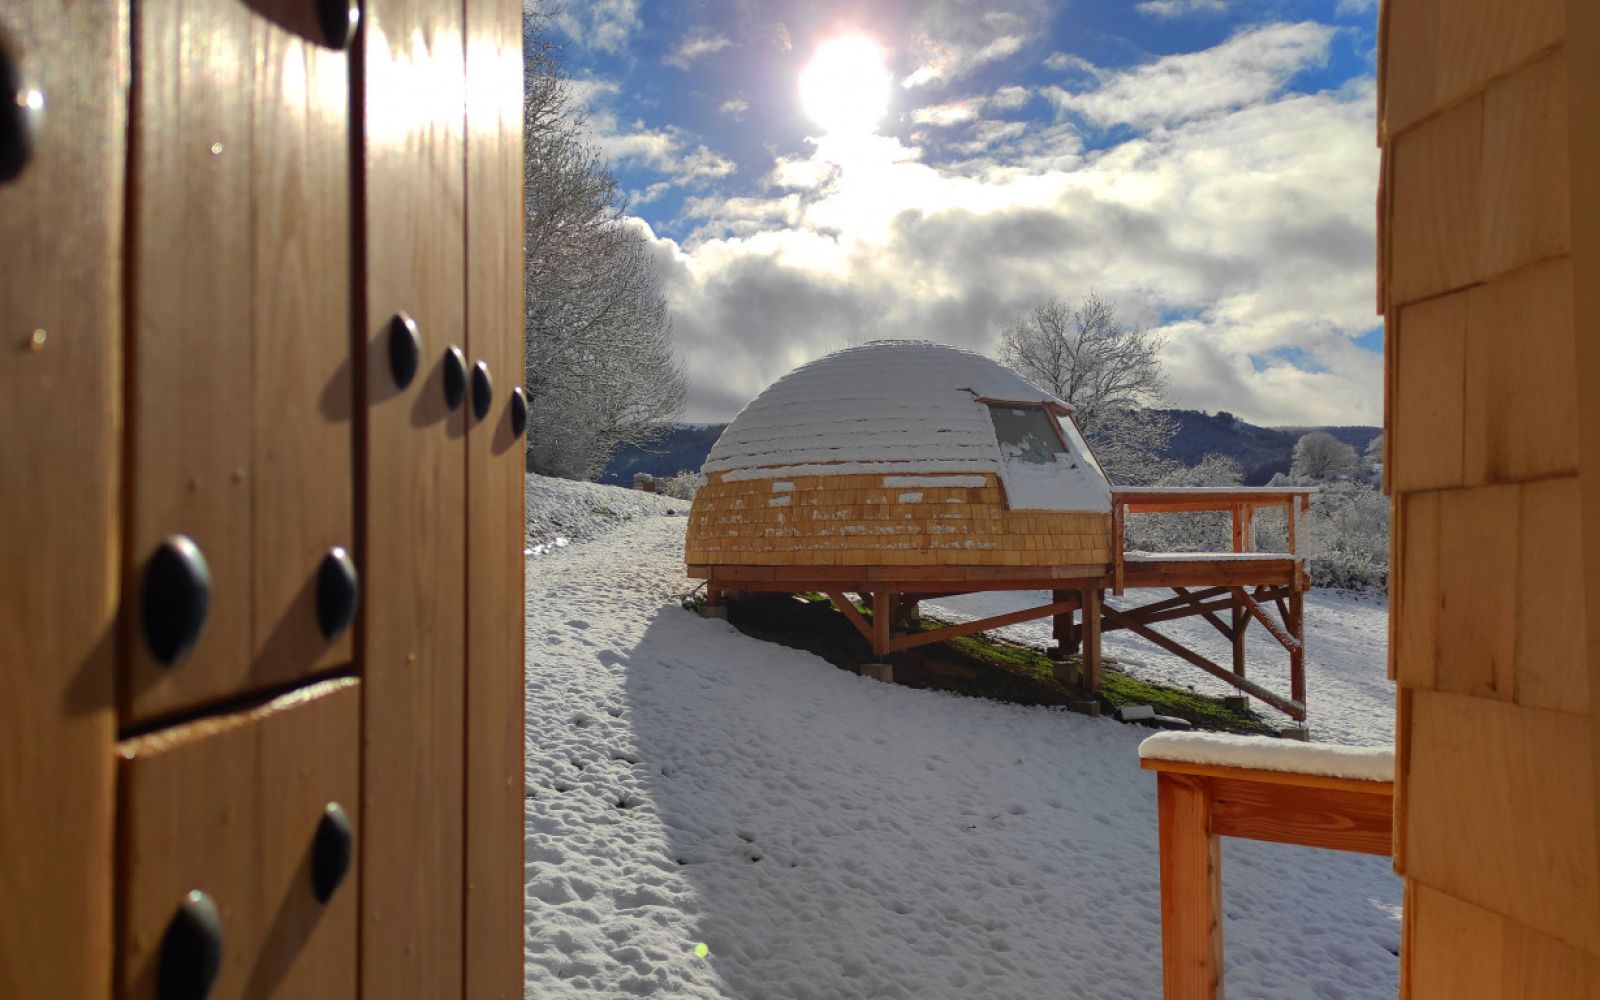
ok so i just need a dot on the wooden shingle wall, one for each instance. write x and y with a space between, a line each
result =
855 520
1482 230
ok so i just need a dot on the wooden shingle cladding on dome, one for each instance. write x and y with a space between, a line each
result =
886 455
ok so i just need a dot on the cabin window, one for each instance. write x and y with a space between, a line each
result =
1026 433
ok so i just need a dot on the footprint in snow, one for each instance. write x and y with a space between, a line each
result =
578 623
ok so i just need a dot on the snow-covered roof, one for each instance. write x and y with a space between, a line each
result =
899 406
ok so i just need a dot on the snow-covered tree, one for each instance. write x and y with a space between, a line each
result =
600 365
1110 374
1319 456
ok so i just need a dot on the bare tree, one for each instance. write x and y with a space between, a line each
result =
1319 456
1109 373
600 367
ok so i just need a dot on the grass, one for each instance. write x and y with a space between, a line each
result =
980 665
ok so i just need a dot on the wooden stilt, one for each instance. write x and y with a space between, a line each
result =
1297 652
1091 639
882 613
1241 621
713 597
1191 891
1063 628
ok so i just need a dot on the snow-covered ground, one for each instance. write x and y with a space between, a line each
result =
826 836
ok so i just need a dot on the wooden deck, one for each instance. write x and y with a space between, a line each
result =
1230 590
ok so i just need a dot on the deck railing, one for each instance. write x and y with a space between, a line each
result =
1242 502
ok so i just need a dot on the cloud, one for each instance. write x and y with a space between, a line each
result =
601 25
1239 233
695 46
1010 98
949 41
1348 7
1061 62
1247 69
1169 9
953 113
734 108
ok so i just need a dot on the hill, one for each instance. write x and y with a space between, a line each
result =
1261 452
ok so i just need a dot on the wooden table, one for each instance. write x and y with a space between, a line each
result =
1200 803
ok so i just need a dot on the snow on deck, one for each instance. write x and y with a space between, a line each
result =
828 837
1264 753
900 407
1155 557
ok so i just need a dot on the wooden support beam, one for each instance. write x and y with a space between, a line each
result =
1145 616
1187 597
882 612
1297 653
1091 639
1191 890
1210 616
1295 709
979 625
1062 627
848 609
1285 638
1241 622
1336 819
1118 547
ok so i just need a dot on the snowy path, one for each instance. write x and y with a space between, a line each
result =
830 837
1348 692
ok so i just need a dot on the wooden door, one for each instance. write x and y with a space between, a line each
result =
60 465
262 496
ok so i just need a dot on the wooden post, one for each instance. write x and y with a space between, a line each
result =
1118 544
1062 627
1238 528
1191 891
882 612
1297 652
1291 517
1247 529
1091 639
1241 622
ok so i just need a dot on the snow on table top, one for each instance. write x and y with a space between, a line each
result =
899 407
1205 556
1264 753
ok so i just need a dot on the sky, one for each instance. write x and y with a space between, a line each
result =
1209 165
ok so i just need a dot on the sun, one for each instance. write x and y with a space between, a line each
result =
845 87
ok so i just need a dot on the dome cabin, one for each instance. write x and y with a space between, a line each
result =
903 454
900 471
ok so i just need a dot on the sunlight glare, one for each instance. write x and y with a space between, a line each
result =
845 87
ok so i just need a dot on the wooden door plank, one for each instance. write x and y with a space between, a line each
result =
411 500
61 244
268 775
241 400
495 674
190 396
302 436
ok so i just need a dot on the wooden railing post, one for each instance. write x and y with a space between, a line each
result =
1191 891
